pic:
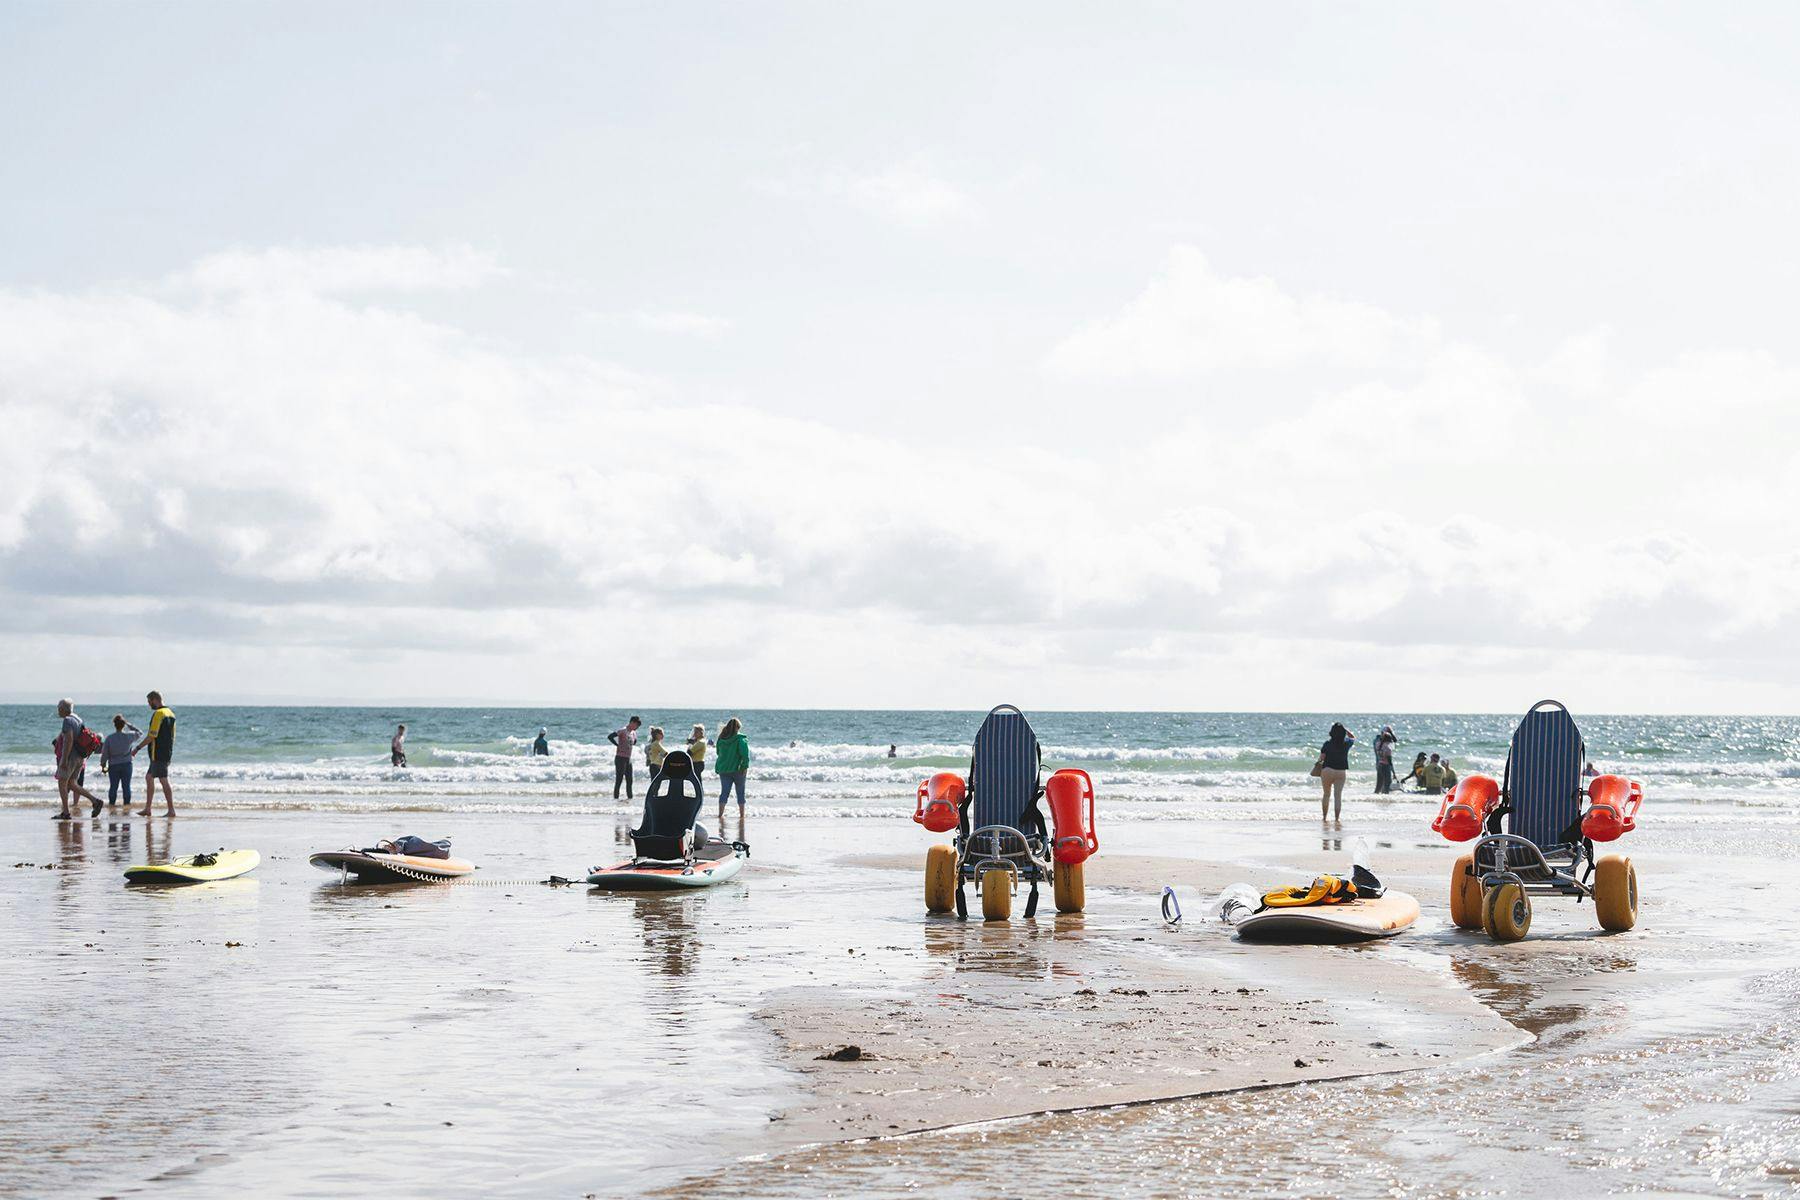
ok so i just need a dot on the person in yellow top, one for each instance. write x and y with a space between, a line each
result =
1433 777
697 750
655 752
1449 775
161 740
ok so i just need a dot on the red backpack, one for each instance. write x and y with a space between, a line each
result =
87 742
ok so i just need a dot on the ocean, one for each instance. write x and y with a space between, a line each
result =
1146 765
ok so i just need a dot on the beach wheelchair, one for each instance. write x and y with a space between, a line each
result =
1001 840
1547 847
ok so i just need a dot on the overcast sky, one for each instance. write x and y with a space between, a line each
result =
1081 356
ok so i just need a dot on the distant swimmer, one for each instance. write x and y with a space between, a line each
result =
623 740
542 745
161 741
1588 772
399 746
893 751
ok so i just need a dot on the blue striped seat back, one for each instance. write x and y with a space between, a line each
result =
1004 769
1543 775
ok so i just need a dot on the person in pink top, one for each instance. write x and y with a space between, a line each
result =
623 740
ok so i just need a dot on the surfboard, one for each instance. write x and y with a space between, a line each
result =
226 864
1357 921
365 867
713 863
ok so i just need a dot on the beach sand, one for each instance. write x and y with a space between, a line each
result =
284 1034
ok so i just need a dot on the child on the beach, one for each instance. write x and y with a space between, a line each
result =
697 750
655 752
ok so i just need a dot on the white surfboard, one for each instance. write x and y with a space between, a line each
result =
1357 921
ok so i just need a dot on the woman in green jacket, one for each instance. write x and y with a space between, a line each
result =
731 760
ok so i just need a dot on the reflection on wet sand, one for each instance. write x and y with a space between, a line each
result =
668 927
1021 949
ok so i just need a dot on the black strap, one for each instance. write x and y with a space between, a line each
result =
1031 902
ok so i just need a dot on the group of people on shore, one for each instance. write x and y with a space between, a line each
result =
75 743
731 763
1430 773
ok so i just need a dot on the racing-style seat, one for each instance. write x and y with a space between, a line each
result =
671 807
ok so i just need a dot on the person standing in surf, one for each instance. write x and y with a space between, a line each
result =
655 752
733 765
398 746
161 740
115 758
1334 768
696 749
541 747
1385 741
623 740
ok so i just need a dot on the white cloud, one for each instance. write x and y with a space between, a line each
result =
286 468
1192 320
689 323
908 192
340 269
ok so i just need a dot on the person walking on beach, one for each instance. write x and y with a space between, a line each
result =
655 752
1385 741
697 751
115 759
398 746
71 762
733 766
623 740
541 747
161 740
1334 768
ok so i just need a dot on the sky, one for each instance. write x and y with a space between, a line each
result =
1155 356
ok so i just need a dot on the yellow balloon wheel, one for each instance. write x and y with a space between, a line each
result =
1506 913
940 879
996 894
1071 888
1616 893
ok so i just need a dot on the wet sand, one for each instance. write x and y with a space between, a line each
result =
1082 1011
529 1040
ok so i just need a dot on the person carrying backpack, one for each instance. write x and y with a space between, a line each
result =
73 745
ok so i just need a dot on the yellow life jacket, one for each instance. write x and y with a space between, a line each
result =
1326 889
